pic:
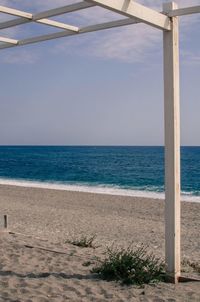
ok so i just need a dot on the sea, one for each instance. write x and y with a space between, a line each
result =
116 170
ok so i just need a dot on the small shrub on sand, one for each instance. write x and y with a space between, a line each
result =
131 267
83 241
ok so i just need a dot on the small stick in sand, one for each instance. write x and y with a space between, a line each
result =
5 221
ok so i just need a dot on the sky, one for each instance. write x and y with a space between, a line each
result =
102 88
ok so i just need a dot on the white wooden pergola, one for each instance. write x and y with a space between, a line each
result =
132 13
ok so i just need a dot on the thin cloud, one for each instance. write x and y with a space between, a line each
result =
190 58
130 44
157 4
32 6
19 56
135 43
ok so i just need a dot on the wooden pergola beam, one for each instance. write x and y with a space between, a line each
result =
108 25
135 10
47 37
15 12
63 10
40 17
58 24
65 33
14 22
184 11
9 41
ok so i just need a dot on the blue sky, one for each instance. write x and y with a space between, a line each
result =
103 88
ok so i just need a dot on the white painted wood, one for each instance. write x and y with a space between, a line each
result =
6 45
46 37
133 9
14 22
184 11
7 40
49 22
15 12
172 146
66 33
43 15
71 8
62 10
107 25
58 24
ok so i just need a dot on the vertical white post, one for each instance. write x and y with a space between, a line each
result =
172 146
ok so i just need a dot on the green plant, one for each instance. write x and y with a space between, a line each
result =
83 241
131 266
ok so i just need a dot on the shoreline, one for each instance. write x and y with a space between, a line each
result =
60 213
113 191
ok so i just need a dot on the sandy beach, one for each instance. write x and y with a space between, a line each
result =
38 265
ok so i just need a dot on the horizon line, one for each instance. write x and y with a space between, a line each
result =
86 145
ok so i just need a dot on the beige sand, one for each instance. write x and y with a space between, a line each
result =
33 274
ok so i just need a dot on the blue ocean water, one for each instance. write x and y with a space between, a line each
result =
129 169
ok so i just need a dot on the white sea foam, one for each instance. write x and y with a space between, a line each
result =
93 189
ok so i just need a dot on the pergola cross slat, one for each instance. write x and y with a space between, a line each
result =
65 33
9 41
166 21
183 11
58 24
15 12
126 9
40 17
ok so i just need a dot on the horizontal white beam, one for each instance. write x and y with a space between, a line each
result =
133 9
6 45
26 17
184 11
46 37
62 10
15 12
107 25
57 24
14 22
66 33
7 40
48 22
